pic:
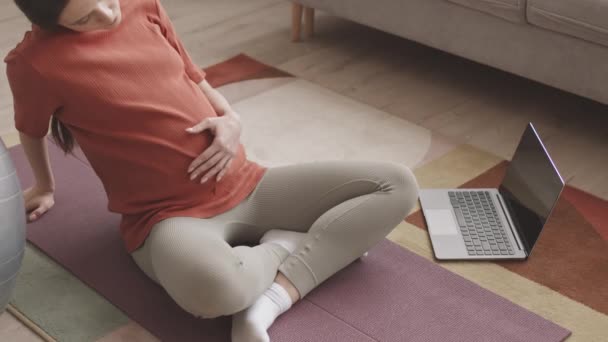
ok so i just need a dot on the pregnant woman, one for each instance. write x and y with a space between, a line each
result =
220 233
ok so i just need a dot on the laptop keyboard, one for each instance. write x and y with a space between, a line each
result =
480 225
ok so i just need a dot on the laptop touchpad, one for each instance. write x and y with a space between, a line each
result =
441 222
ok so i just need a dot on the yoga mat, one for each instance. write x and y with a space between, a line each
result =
391 295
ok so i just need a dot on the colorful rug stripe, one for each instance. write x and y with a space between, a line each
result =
240 68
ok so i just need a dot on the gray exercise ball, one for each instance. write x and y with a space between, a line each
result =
12 226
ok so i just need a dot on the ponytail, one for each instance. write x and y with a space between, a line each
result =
62 135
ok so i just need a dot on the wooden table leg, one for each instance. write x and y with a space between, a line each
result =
309 22
296 21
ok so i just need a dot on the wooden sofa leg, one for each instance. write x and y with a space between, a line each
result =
309 22
296 21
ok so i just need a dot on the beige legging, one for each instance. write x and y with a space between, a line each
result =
215 267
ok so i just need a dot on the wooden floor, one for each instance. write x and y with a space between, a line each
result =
449 95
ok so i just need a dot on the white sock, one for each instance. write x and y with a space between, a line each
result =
251 324
286 238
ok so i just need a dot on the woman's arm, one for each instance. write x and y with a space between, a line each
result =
218 101
37 153
227 129
39 198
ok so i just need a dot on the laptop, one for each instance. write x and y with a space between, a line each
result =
502 223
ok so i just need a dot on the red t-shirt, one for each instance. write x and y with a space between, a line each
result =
127 95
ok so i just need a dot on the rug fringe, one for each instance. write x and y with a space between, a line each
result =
30 324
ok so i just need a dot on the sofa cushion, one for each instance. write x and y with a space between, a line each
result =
586 19
512 10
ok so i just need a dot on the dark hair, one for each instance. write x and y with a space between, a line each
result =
62 135
45 14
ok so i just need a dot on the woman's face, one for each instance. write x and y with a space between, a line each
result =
91 15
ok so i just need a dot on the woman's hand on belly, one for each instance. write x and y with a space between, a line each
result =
218 157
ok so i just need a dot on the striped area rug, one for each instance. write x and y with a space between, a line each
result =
564 281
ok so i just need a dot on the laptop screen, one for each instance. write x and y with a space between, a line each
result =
531 187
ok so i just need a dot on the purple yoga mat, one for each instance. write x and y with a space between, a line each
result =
391 295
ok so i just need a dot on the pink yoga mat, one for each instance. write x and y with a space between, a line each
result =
391 295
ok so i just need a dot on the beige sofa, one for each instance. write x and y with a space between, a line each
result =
561 43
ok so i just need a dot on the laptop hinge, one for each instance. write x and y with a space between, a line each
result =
513 231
